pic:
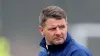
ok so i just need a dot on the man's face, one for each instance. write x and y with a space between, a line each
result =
54 31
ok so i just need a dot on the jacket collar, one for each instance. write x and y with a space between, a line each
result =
56 47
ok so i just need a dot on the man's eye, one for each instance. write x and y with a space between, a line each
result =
62 27
52 28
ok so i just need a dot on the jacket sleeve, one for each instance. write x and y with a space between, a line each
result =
81 53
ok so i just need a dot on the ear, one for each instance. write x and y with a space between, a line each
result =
67 24
41 30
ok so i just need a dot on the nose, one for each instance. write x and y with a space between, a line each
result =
58 31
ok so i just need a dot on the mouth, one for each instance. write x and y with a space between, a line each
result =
58 39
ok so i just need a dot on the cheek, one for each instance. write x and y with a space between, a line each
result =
65 33
46 34
49 35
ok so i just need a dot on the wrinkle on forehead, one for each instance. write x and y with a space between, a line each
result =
54 22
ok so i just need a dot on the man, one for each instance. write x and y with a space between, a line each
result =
57 41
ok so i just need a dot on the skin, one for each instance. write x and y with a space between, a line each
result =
54 31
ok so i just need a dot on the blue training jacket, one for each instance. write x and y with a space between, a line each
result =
68 48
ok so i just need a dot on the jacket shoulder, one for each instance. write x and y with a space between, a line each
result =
78 50
43 52
81 52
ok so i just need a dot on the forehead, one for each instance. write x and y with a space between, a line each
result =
54 22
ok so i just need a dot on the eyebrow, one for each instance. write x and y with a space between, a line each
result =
56 26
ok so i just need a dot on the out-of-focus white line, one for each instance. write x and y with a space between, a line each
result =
80 32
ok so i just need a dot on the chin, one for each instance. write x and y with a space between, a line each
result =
58 43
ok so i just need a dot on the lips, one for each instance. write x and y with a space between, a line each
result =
57 39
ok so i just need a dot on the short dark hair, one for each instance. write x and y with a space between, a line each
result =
51 12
